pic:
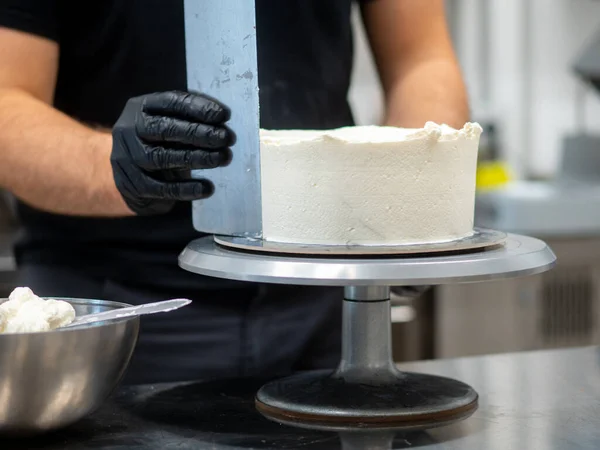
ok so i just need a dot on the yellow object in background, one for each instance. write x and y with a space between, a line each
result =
492 175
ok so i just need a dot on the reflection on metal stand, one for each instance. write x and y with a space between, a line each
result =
381 440
367 391
352 438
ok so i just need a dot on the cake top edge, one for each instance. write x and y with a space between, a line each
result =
373 134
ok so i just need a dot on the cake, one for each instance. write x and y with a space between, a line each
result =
369 185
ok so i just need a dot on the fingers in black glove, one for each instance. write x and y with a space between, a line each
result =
178 190
158 158
188 106
171 130
165 132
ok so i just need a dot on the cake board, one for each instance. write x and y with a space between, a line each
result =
480 239
366 391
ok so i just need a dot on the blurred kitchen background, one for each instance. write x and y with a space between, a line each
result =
530 67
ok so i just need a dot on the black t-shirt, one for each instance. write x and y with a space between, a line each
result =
111 50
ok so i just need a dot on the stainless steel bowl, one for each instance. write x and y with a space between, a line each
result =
51 380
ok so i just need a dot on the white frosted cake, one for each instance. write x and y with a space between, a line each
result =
369 185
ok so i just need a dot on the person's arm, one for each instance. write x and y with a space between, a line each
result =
47 159
142 166
420 75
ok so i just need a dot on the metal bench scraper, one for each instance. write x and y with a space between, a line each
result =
221 56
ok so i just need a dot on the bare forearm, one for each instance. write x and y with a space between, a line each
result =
416 62
432 90
54 163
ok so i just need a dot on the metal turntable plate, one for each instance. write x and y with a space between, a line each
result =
518 256
480 239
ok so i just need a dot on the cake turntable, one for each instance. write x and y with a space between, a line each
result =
367 391
375 192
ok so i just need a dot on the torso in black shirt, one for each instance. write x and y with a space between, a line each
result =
111 50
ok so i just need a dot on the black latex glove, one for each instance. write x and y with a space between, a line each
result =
158 139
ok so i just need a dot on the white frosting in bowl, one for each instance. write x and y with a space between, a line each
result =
25 312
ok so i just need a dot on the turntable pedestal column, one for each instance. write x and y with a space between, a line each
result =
367 388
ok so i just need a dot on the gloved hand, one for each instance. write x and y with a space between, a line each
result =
158 139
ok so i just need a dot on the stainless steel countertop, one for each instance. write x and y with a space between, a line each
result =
540 400
547 400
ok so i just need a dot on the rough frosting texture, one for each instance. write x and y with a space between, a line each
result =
25 312
369 185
